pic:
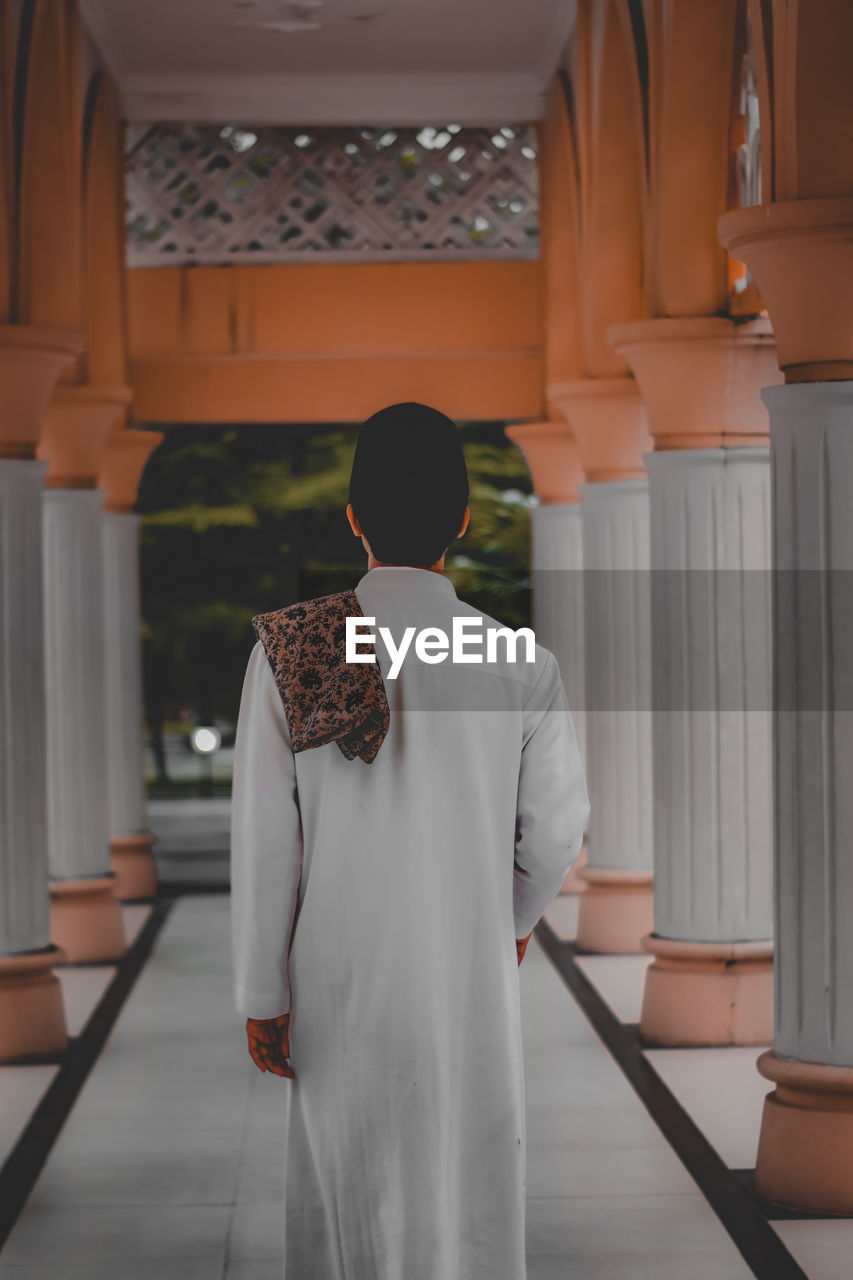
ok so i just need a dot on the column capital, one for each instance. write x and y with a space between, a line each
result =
77 423
701 378
31 360
122 464
801 255
608 420
552 456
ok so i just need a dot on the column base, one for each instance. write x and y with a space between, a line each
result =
132 865
708 993
574 882
805 1151
85 919
32 1017
616 910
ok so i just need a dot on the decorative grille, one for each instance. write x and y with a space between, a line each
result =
209 194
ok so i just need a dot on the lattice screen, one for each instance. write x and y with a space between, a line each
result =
209 194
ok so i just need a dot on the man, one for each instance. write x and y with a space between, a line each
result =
394 842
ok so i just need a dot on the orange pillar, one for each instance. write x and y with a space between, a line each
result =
607 419
86 916
552 458
32 1020
123 462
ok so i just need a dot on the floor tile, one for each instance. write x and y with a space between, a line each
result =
597 1237
566 1168
103 1241
562 915
82 988
134 915
722 1092
620 980
823 1248
21 1090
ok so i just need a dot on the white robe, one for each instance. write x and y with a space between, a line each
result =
380 903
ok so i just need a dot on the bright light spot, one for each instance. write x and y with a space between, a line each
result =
301 140
385 139
453 128
243 139
528 153
481 223
205 740
516 206
499 141
456 154
350 148
515 498
507 132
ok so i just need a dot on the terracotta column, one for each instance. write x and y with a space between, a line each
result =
86 915
32 1021
124 460
801 255
552 457
712 978
607 418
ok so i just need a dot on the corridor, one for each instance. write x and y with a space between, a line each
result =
168 1164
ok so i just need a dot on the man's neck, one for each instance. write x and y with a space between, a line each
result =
373 563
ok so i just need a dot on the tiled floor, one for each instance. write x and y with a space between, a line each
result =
22 1087
169 1167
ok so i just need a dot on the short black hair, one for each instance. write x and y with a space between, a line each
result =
409 483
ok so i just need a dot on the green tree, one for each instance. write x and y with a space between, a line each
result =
238 520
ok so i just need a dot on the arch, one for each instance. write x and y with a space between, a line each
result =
558 203
49 285
691 69
609 129
103 237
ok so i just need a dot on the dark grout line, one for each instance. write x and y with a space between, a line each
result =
21 1169
743 1218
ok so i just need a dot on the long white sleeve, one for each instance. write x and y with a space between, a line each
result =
266 846
553 807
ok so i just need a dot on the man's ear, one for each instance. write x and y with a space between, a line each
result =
465 519
353 520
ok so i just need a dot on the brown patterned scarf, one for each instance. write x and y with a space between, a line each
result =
326 699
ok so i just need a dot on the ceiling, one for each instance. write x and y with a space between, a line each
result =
331 61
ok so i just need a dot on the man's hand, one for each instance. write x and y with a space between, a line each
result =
521 946
269 1044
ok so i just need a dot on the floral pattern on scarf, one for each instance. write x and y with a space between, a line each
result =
325 698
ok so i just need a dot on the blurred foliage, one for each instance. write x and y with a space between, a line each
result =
240 520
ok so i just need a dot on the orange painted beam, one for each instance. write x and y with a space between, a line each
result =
320 342
466 385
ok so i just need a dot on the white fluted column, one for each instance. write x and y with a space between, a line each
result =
130 837
551 452
700 378
32 1019
86 917
811 1108
125 455
557 556
616 910
24 904
712 977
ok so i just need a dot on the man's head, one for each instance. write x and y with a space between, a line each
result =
409 484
